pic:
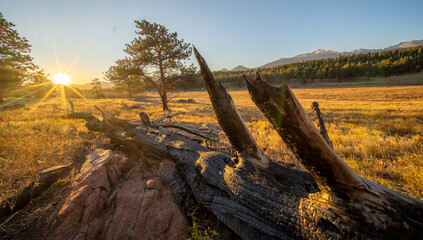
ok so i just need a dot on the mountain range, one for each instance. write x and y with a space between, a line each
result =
88 86
322 53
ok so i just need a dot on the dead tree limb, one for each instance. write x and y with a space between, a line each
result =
72 108
292 123
167 115
45 179
184 128
376 205
230 120
67 111
145 119
321 123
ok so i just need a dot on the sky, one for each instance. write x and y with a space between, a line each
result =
83 38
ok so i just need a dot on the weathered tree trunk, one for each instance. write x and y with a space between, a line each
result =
321 123
129 91
163 97
46 178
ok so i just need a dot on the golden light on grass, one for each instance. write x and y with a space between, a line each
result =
61 79
77 92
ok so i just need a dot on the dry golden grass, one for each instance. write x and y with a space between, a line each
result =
378 132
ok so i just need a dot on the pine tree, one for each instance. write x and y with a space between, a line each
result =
125 74
96 87
159 56
16 66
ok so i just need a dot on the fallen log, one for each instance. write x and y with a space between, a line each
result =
46 178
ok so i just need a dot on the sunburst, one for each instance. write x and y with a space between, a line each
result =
61 79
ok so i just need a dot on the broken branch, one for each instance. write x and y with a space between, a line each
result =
167 115
321 123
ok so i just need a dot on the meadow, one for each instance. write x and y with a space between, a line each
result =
378 131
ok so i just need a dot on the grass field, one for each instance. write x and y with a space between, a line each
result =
377 130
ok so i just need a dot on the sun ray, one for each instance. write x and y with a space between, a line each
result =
22 71
10 102
63 97
77 92
56 55
44 66
31 90
23 97
36 85
45 96
75 60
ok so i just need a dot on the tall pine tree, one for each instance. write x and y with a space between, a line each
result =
159 56
16 64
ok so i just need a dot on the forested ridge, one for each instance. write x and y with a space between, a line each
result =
344 67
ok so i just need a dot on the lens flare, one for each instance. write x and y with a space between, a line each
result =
62 79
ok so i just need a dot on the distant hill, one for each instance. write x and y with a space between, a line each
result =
240 68
318 54
409 44
322 54
86 86
347 67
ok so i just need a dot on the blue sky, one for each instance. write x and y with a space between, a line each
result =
84 38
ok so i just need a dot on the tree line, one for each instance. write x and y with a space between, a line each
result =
344 67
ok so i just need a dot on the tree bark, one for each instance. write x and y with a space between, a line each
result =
163 89
129 90
288 117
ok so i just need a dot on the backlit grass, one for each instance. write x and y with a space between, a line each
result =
377 131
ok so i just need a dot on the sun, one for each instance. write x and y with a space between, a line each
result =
62 79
